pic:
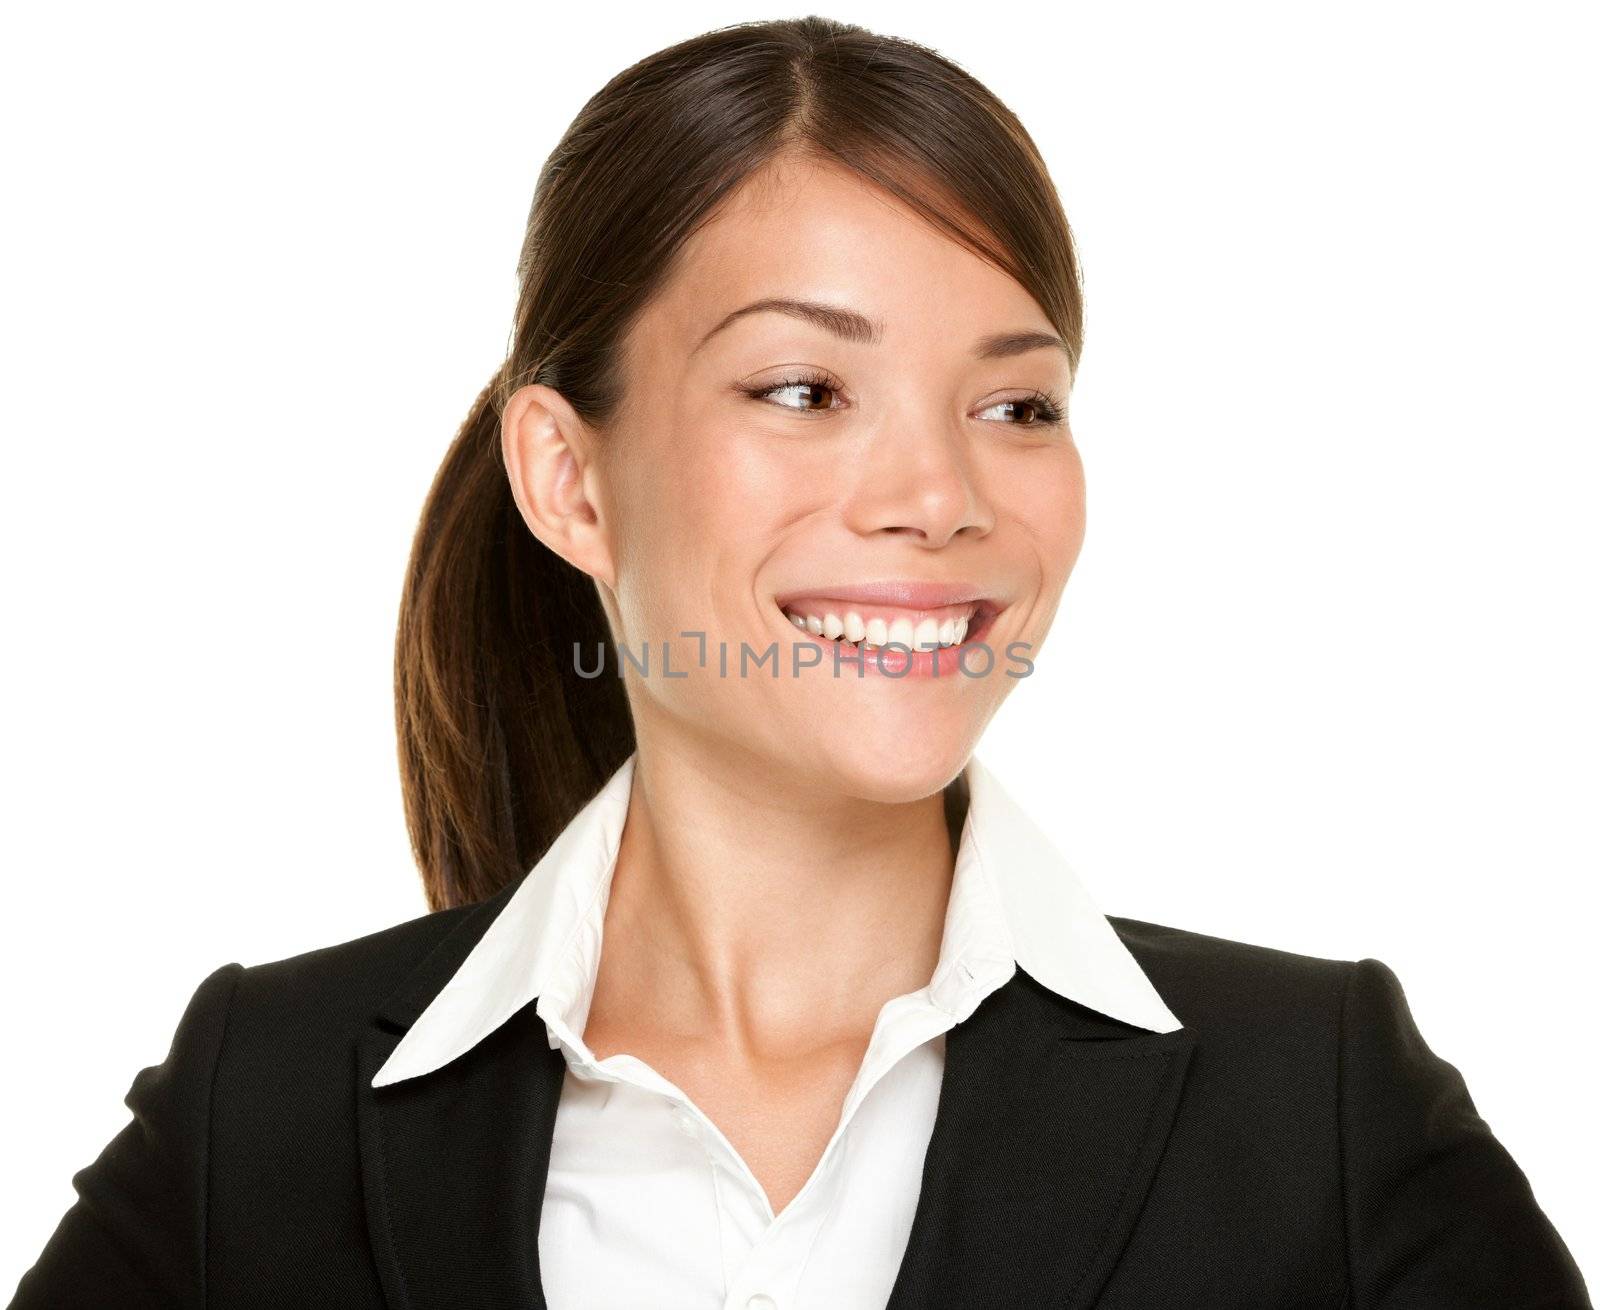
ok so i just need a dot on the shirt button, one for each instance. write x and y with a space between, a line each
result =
760 1301
686 1125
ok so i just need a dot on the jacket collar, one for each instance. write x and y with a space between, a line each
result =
1013 896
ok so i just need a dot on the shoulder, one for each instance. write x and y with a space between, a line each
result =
361 970
1218 984
276 1039
322 995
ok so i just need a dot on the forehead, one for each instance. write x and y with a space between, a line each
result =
813 229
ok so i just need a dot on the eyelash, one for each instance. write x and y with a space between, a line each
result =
1051 408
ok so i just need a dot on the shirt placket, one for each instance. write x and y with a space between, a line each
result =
771 1276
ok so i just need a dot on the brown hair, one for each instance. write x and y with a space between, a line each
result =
501 740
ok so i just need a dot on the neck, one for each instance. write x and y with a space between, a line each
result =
763 917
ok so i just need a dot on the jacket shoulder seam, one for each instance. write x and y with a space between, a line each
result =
1352 969
235 971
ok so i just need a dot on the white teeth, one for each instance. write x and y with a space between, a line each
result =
920 634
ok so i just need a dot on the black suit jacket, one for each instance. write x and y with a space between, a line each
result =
1296 1143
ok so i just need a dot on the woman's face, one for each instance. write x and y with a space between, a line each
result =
766 463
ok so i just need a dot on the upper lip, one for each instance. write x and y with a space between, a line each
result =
905 593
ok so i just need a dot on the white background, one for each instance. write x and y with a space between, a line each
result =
1324 678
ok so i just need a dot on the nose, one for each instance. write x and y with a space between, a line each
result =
918 480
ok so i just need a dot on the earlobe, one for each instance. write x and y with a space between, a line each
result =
548 449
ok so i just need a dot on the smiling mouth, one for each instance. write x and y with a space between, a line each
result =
859 626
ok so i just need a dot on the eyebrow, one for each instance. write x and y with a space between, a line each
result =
852 326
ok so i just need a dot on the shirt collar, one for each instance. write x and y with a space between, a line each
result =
1014 901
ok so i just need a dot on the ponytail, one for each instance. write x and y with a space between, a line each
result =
501 741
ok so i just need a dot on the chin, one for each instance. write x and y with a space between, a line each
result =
908 768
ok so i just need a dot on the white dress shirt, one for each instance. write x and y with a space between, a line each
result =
647 1203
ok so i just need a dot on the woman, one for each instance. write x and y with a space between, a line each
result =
783 425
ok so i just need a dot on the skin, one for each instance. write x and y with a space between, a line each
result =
785 866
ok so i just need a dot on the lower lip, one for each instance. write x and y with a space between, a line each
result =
895 661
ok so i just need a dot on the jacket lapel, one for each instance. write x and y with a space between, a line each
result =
454 1162
1052 1119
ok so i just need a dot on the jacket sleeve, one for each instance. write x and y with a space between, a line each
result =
135 1237
1437 1213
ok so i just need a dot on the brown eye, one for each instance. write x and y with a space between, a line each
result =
809 395
1028 411
806 391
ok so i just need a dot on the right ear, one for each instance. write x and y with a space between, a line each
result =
555 479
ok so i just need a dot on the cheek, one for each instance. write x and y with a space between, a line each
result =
699 508
1046 500
737 490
